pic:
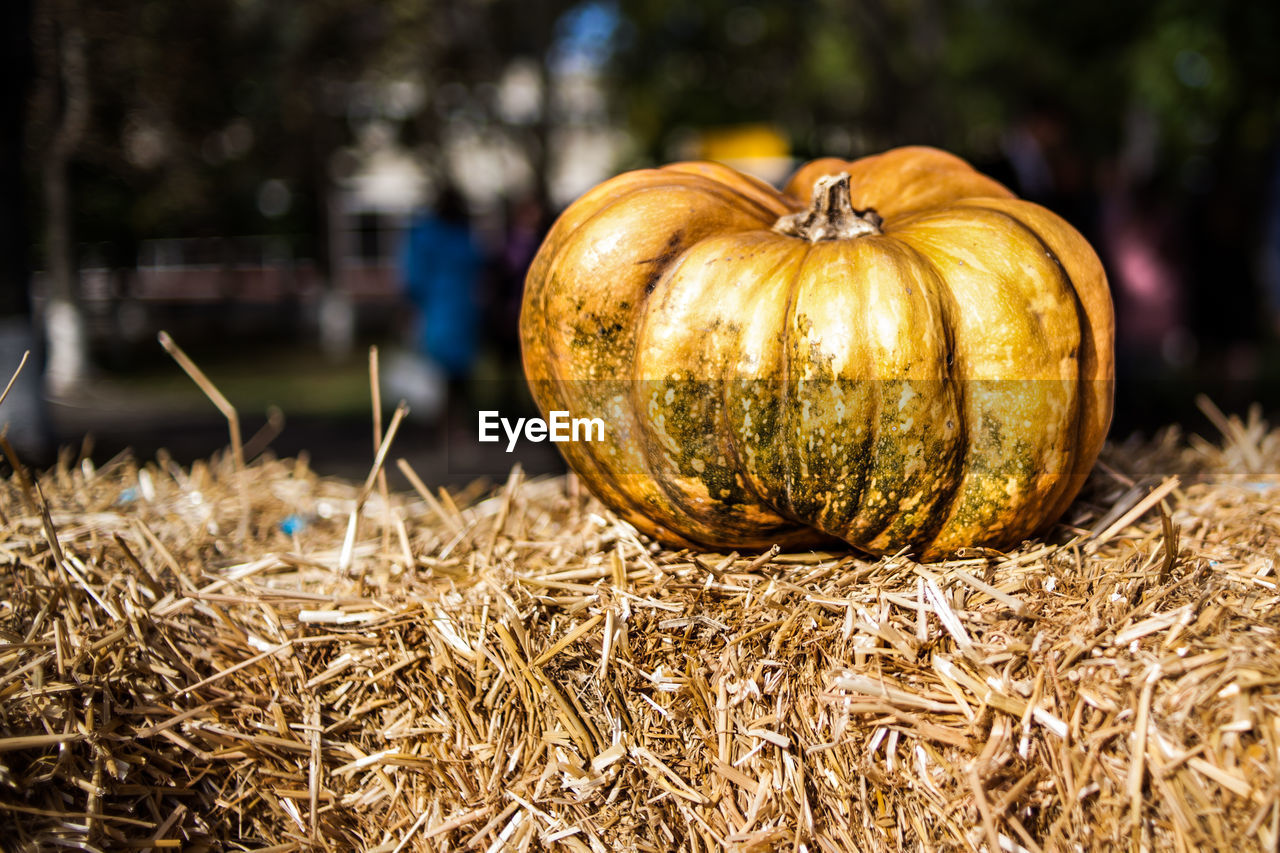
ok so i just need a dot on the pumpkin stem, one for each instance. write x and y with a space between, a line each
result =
830 215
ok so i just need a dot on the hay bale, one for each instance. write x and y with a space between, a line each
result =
436 672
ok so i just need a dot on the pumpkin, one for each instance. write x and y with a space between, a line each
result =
894 351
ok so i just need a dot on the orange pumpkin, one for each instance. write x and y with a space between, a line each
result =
894 351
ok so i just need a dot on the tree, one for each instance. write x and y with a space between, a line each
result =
165 120
62 100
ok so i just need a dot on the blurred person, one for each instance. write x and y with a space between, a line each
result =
525 227
1140 240
440 264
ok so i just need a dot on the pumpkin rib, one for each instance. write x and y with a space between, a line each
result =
769 199
984 472
1005 217
1096 364
795 408
618 187
754 466
907 435
721 189
623 498
1070 283
590 203
944 303
787 404
687 424
609 197
1062 478
664 454
734 449
560 247
987 459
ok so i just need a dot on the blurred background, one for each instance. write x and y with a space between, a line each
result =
280 184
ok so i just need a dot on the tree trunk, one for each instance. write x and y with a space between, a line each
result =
64 89
337 320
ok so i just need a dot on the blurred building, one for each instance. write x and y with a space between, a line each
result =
255 285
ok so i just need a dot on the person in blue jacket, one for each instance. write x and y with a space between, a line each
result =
440 263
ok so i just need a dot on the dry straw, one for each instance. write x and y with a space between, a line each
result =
520 671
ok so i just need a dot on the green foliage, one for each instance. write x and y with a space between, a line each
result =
851 77
196 104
